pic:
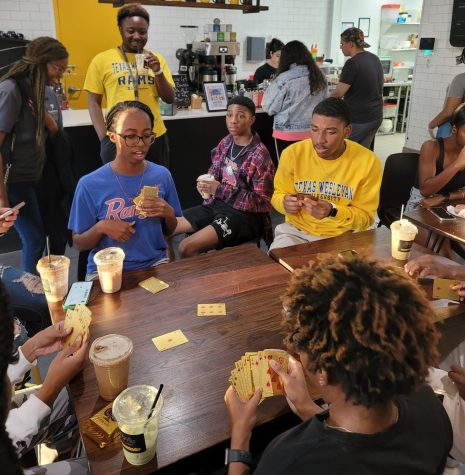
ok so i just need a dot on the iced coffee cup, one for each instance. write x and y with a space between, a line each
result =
140 64
54 276
109 263
110 355
403 234
205 178
138 434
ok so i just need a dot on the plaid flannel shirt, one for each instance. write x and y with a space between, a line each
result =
254 178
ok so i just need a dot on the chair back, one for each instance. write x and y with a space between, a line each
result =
399 175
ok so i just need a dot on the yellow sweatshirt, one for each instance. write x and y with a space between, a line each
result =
351 182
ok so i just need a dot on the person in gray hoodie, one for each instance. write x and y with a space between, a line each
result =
298 87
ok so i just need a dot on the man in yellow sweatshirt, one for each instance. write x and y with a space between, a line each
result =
326 185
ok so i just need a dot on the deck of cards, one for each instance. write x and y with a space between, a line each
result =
147 193
79 320
252 371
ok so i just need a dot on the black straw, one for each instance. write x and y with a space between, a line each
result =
157 397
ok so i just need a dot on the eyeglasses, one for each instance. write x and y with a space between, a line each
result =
133 140
58 69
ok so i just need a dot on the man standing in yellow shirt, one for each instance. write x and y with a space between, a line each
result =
113 73
340 179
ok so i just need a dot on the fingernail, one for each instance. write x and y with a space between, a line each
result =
78 340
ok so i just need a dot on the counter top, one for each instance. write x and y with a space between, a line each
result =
81 117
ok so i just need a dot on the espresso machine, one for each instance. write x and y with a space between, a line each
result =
188 59
216 62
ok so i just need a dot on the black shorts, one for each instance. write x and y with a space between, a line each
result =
233 227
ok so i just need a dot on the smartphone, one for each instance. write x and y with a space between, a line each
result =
347 254
441 214
78 294
12 210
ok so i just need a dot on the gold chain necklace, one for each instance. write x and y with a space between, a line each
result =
121 186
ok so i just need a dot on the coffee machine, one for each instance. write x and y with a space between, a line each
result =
188 59
216 62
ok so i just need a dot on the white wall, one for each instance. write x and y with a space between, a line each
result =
33 18
286 19
432 74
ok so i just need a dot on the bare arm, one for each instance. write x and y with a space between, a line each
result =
120 231
94 102
3 196
451 104
341 90
164 88
429 182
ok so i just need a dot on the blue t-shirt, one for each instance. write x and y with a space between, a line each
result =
100 196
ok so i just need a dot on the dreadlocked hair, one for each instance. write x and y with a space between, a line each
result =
33 66
116 110
8 457
368 325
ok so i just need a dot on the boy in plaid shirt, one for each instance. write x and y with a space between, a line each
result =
237 209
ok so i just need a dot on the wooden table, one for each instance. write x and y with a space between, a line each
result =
373 243
194 420
454 230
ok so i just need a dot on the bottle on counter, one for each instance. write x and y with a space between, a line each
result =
242 90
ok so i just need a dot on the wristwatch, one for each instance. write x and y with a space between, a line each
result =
233 455
333 211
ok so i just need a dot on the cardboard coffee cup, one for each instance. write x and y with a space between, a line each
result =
110 355
403 234
109 263
139 433
54 276
205 178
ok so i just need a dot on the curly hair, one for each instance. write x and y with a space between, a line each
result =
33 67
117 109
8 457
368 325
130 10
296 52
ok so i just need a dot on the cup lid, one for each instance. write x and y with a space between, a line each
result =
110 349
55 262
134 404
108 255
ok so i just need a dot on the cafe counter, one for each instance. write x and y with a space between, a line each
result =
192 135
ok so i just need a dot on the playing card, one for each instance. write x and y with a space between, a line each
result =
154 285
211 309
302 196
442 289
79 320
272 385
149 191
169 340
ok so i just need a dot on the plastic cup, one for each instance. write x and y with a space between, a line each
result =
109 263
138 434
403 234
140 64
206 178
110 355
54 276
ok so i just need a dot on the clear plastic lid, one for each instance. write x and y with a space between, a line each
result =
109 255
134 404
110 349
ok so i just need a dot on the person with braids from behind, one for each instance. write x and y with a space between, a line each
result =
25 123
365 338
45 415
103 212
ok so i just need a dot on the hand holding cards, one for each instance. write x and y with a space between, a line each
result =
79 320
252 371
147 195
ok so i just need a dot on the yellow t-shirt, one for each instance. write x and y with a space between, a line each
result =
108 75
352 182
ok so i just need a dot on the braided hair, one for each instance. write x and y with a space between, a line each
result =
8 457
33 66
116 110
368 325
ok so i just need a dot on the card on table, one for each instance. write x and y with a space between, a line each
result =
211 309
169 340
154 285
252 371
442 289
79 320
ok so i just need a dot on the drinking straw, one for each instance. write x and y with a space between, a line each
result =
48 252
155 402
401 212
